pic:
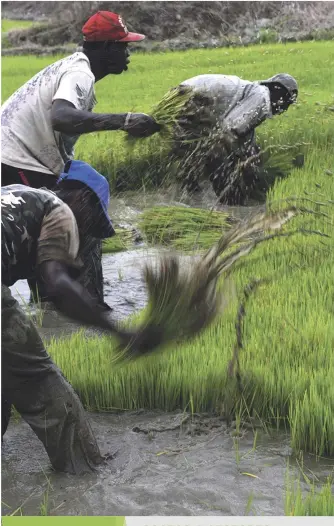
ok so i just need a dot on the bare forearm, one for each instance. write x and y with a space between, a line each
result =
72 299
76 122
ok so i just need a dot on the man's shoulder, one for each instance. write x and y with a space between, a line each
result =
78 61
15 195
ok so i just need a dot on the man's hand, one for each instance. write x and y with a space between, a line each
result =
140 125
74 301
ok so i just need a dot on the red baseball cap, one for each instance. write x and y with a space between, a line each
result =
105 25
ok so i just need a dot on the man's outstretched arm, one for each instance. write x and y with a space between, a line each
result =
75 302
67 119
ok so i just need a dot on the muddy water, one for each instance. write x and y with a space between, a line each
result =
160 466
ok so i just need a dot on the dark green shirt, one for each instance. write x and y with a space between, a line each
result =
36 226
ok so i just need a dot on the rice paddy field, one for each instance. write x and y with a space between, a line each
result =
287 360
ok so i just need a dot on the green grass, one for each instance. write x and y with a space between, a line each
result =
287 360
8 25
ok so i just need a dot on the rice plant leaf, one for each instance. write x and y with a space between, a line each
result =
250 475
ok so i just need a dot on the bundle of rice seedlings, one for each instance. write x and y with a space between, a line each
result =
167 113
247 172
183 228
168 110
184 301
123 240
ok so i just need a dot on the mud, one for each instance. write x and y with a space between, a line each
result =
164 464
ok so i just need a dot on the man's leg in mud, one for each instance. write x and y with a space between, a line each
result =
41 394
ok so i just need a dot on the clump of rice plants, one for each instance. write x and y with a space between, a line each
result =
286 360
315 502
167 111
123 240
183 228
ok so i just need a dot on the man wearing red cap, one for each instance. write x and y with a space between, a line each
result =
42 120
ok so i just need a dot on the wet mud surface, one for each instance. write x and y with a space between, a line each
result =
164 464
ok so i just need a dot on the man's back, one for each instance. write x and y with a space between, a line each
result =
28 139
33 221
228 91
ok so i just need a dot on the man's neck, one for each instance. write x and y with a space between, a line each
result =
95 70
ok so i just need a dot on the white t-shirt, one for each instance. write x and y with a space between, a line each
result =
28 140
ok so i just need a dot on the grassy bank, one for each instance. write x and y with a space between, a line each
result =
8 25
287 358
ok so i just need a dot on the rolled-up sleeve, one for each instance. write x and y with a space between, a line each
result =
251 111
59 238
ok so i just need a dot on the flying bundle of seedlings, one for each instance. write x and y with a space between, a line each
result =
201 151
184 300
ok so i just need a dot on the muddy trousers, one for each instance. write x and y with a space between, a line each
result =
40 393
91 277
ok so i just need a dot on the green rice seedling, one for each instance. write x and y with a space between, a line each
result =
314 502
167 111
123 240
183 228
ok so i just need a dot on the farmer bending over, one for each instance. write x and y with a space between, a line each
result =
42 120
227 109
41 236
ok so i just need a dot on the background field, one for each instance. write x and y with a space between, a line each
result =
289 331
150 76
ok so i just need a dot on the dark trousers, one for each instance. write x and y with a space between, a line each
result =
41 394
91 253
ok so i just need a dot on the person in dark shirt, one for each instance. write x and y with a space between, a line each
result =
42 232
